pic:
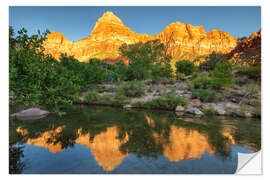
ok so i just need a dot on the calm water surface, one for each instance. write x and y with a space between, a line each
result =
95 139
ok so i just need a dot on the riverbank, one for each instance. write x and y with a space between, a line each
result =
176 95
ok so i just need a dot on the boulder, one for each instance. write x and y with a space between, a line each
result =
127 106
193 110
29 114
218 108
179 109
232 105
245 114
196 101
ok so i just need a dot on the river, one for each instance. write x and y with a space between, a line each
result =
97 140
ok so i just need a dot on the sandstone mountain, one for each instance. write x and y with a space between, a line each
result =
183 40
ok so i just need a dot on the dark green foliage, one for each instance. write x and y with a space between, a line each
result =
119 71
131 89
97 71
162 71
92 96
223 74
202 82
142 58
210 62
186 67
38 78
205 95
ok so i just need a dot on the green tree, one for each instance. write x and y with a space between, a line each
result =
186 67
142 57
223 74
210 61
37 78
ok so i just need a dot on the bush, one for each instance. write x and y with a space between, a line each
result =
252 72
205 95
177 100
210 62
92 97
162 71
186 67
96 71
223 74
120 71
242 80
203 82
131 89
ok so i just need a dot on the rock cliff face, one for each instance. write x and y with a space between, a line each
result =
247 51
109 33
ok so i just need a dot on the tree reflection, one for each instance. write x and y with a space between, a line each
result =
15 164
112 133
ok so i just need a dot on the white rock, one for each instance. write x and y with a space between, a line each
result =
193 110
179 109
218 108
29 114
127 106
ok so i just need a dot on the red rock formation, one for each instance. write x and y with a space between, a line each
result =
183 40
247 51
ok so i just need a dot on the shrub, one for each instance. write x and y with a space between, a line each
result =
131 89
162 71
203 82
120 71
177 100
223 74
242 80
252 72
210 62
180 76
205 95
186 67
92 96
96 71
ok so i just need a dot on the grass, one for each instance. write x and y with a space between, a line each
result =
205 95
131 89
92 96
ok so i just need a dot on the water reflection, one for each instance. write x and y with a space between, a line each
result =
112 137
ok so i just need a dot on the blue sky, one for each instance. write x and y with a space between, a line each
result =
77 22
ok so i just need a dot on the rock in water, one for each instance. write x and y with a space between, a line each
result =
127 106
193 110
29 114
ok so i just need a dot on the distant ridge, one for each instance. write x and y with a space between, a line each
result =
184 40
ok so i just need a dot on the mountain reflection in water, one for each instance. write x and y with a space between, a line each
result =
113 134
